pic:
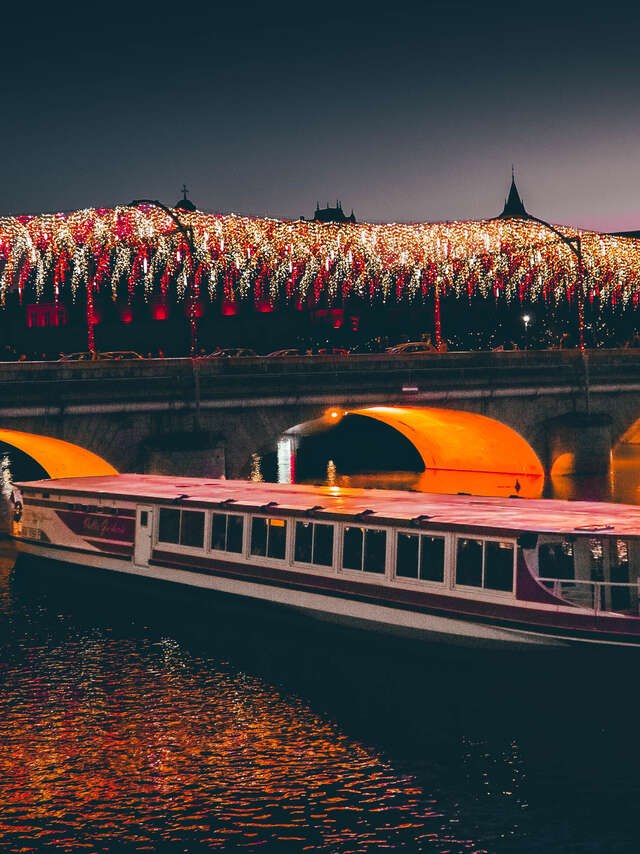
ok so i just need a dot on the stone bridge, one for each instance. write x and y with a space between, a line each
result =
210 415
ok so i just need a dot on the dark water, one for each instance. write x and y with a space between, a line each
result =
139 718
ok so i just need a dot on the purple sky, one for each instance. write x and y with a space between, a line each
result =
404 111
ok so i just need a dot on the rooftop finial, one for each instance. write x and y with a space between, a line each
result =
185 203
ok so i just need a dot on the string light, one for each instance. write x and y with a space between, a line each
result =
261 260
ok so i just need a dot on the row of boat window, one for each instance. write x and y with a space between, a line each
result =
479 563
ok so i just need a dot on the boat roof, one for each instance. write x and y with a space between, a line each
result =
427 510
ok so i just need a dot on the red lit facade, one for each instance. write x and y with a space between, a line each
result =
46 314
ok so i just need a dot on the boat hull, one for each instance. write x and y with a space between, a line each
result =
397 621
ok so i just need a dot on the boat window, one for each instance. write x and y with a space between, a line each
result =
469 562
226 532
485 563
259 536
364 549
192 529
219 531
235 531
185 527
144 518
420 556
431 558
498 565
375 551
596 555
407 555
169 526
555 560
619 557
620 561
352 547
276 538
323 544
268 537
314 543
304 542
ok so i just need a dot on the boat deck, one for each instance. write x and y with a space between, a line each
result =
466 511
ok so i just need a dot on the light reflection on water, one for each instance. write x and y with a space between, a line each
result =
620 484
136 719
115 733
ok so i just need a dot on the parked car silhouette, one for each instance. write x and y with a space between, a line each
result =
413 347
233 353
112 355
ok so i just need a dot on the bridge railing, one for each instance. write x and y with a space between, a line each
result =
465 360
61 383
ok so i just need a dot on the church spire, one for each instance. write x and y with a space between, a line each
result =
513 206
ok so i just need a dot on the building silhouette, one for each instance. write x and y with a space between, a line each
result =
185 204
335 215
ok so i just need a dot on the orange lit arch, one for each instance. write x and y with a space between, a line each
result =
465 452
57 458
631 436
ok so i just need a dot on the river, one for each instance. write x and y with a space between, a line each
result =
139 718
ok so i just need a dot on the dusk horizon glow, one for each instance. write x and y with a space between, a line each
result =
407 114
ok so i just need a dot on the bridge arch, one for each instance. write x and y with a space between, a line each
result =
459 447
630 436
460 451
57 457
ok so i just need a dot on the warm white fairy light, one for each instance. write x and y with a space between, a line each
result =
306 262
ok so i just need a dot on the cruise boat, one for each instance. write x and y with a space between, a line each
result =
503 572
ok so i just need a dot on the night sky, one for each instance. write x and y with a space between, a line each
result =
406 112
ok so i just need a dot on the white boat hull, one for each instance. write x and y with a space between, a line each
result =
345 611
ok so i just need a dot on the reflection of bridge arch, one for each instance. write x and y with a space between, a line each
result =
460 451
57 458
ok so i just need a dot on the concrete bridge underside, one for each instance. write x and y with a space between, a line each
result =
135 414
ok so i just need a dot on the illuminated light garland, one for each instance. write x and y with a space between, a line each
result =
436 318
273 263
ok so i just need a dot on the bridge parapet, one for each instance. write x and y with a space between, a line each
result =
117 408
184 382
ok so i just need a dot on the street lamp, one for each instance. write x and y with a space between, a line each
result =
526 319
575 245
187 232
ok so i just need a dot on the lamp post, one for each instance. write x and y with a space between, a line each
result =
187 232
575 245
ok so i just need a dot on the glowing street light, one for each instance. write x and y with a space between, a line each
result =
526 318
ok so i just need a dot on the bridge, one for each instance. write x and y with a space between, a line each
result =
210 415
